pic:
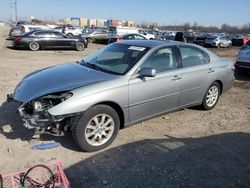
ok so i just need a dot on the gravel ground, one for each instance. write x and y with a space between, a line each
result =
188 148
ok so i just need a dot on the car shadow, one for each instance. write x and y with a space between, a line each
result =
215 161
11 123
11 127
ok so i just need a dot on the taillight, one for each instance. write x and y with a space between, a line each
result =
119 40
18 38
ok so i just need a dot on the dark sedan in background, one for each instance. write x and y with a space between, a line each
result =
43 39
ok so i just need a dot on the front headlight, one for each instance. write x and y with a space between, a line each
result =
37 105
48 101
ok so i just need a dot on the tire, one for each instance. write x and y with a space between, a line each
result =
80 46
89 132
34 46
89 40
70 35
219 46
230 46
214 90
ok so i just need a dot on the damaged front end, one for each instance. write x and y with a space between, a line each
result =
35 115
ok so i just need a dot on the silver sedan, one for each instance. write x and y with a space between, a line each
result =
119 85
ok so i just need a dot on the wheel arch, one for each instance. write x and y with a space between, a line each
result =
117 108
220 84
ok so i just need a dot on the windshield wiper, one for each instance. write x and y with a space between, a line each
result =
92 66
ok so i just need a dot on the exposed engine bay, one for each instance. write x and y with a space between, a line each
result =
35 114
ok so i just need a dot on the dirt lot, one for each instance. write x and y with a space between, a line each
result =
188 148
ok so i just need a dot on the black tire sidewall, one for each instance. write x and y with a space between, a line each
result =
204 103
33 43
79 129
77 46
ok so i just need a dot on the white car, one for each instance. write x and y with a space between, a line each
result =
28 28
243 59
116 32
146 35
218 42
72 31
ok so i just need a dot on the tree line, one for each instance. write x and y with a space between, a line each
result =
196 27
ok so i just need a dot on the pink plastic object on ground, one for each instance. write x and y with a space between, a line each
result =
62 181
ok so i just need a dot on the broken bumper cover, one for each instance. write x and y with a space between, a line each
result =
34 121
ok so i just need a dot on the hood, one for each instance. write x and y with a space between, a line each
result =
57 79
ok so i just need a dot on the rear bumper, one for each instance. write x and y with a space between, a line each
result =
16 44
242 64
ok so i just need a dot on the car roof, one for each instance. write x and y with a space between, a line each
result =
148 43
155 43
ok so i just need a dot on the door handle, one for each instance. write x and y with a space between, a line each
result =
176 77
210 70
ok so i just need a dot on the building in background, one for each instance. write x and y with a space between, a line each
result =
75 21
66 21
83 22
100 22
92 23
129 23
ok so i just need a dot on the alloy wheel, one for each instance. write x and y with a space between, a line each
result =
99 129
212 96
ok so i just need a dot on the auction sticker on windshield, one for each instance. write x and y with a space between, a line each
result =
138 48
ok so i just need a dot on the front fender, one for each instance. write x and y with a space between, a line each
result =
85 97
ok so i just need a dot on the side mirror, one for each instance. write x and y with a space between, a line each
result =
147 72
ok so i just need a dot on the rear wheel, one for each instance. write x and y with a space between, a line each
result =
70 35
89 40
79 46
34 46
97 128
211 97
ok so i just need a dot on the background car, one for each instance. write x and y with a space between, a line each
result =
147 35
242 63
239 40
72 31
119 85
128 37
48 39
218 42
28 28
167 36
200 38
96 36
15 31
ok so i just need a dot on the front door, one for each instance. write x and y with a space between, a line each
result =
151 96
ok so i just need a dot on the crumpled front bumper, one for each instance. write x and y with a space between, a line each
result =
34 121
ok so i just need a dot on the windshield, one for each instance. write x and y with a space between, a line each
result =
115 58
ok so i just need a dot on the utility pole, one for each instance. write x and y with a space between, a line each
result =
16 9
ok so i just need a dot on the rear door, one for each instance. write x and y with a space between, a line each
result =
196 74
61 41
151 96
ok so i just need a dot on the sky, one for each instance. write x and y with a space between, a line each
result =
163 12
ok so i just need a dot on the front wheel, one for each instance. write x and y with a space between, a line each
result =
211 97
80 46
97 128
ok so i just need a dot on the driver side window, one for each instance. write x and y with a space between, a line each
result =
161 60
